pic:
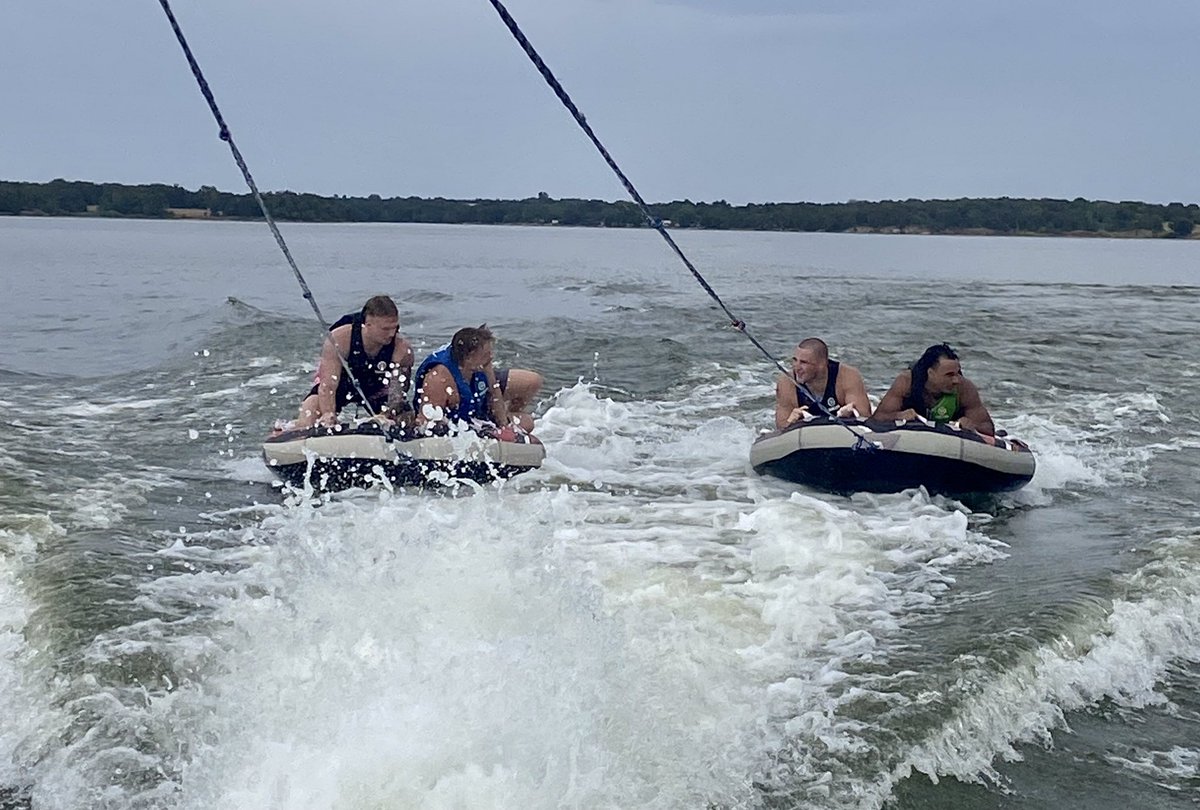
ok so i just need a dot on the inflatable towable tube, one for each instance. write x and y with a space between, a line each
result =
854 455
344 456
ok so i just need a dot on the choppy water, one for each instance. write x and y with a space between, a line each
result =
642 623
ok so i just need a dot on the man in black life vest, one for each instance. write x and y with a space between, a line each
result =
380 359
838 387
935 389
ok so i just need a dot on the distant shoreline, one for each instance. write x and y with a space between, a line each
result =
1130 234
858 231
1002 216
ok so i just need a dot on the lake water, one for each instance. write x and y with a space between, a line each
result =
643 623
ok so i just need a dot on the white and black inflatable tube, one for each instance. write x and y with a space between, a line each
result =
847 456
345 456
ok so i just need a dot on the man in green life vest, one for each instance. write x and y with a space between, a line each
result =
935 389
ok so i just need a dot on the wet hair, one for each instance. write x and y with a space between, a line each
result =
380 306
920 369
467 340
817 345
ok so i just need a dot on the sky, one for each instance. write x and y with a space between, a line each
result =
737 100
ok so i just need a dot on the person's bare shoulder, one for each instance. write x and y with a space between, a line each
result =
903 381
852 373
403 351
337 344
894 396
341 337
438 380
970 393
851 382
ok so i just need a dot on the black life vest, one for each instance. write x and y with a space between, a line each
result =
828 401
373 373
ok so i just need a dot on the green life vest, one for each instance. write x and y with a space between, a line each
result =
945 408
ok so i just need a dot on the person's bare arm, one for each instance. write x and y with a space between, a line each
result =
852 391
330 371
891 407
400 381
975 415
495 398
403 357
785 402
437 396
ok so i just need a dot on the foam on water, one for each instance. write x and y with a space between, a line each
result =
614 645
1175 769
433 652
537 648
94 410
1085 442
250 469
25 699
643 622
643 445
836 588
1120 655
14 612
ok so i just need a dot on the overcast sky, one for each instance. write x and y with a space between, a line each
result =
742 100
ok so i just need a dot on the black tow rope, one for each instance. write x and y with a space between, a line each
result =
237 156
653 221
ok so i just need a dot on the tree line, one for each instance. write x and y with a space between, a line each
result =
1002 215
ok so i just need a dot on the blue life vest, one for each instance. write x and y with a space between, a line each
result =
472 397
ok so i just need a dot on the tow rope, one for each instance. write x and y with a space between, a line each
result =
654 222
226 136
